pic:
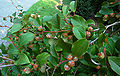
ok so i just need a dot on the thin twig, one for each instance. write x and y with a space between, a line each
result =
1 66
105 30
6 58
13 43
105 54
76 70
4 26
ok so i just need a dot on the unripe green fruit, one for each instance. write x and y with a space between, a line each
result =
66 67
105 16
40 28
75 59
112 14
117 16
33 15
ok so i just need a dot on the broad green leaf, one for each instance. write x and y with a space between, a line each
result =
23 59
79 32
80 47
117 44
53 60
47 18
3 49
25 38
79 21
105 11
90 21
115 64
52 43
73 6
42 58
65 10
101 39
16 27
12 49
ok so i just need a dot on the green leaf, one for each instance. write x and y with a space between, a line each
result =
65 10
16 27
79 21
73 6
42 58
12 49
79 32
80 47
105 11
23 59
25 38
90 21
101 39
115 64
3 49
53 60
117 44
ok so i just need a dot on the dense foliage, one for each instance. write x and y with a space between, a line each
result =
49 41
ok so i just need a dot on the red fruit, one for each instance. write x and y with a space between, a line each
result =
105 16
35 66
48 35
98 67
16 38
31 46
37 38
90 28
88 34
71 63
66 67
69 57
25 31
65 34
27 70
70 37
75 59
40 28
112 14
33 15
101 55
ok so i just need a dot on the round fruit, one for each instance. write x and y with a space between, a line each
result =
38 16
71 63
69 57
25 31
31 46
90 29
75 59
88 34
48 35
16 38
101 55
105 16
70 37
35 66
40 28
97 67
33 15
112 14
117 16
66 67
27 70
37 38
65 34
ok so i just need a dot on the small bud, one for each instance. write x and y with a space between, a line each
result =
75 59
16 38
101 55
90 29
97 67
66 67
37 38
40 28
33 15
69 57
27 70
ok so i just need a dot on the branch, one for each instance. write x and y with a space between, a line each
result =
5 58
56 31
104 30
13 43
7 65
4 26
67 22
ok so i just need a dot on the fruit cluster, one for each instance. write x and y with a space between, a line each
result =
71 62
